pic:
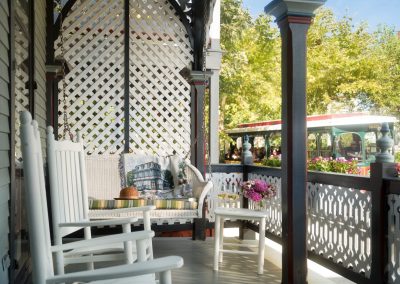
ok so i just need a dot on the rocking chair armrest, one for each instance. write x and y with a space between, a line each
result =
207 188
117 238
122 271
97 223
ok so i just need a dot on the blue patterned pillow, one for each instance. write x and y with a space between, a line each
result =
151 175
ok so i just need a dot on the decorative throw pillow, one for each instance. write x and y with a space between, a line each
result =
183 188
150 174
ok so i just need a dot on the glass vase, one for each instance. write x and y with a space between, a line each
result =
258 206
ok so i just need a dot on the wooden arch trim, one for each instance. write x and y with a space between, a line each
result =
184 20
64 12
70 3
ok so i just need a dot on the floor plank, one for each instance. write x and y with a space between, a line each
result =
235 269
198 264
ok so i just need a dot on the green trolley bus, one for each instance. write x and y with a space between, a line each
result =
349 135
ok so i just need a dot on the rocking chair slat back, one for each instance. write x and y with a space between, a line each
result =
36 202
67 179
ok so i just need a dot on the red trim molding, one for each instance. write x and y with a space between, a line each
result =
296 20
299 19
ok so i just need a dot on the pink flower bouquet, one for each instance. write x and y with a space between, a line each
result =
258 190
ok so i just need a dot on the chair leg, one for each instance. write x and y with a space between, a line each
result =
221 239
59 263
147 226
88 235
261 246
165 277
141 248
216 241
128 248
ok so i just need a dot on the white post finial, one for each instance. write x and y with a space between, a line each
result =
384 144
25 117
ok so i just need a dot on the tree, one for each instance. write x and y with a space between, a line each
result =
349 68
250 67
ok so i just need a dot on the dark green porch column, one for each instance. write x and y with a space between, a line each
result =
199 82
294 18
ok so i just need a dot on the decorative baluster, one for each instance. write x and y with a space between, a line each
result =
228 184
384 144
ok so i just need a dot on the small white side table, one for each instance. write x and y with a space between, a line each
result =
241 214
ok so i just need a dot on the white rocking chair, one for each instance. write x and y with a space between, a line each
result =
69 199
40 243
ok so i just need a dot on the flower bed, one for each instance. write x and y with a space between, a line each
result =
272 161
339 165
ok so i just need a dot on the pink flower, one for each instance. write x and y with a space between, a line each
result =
260 186
257 190
255 196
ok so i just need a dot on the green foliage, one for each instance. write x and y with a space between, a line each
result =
320 165
344 167
252 51
272 161
397 157
349 69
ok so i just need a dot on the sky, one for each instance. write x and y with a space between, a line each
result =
374 12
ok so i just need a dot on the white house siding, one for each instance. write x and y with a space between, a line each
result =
39 109
4 139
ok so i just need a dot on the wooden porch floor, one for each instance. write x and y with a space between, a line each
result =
240 269
235 269
198 264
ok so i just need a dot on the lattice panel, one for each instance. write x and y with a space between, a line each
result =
339 225
394 238
222 182
159 95
21 76
273 205
93 40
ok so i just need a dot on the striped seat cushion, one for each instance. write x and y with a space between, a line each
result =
183 204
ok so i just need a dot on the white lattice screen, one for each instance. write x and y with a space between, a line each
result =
93 40
159 95
21 75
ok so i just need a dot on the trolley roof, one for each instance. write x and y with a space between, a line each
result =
316 121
